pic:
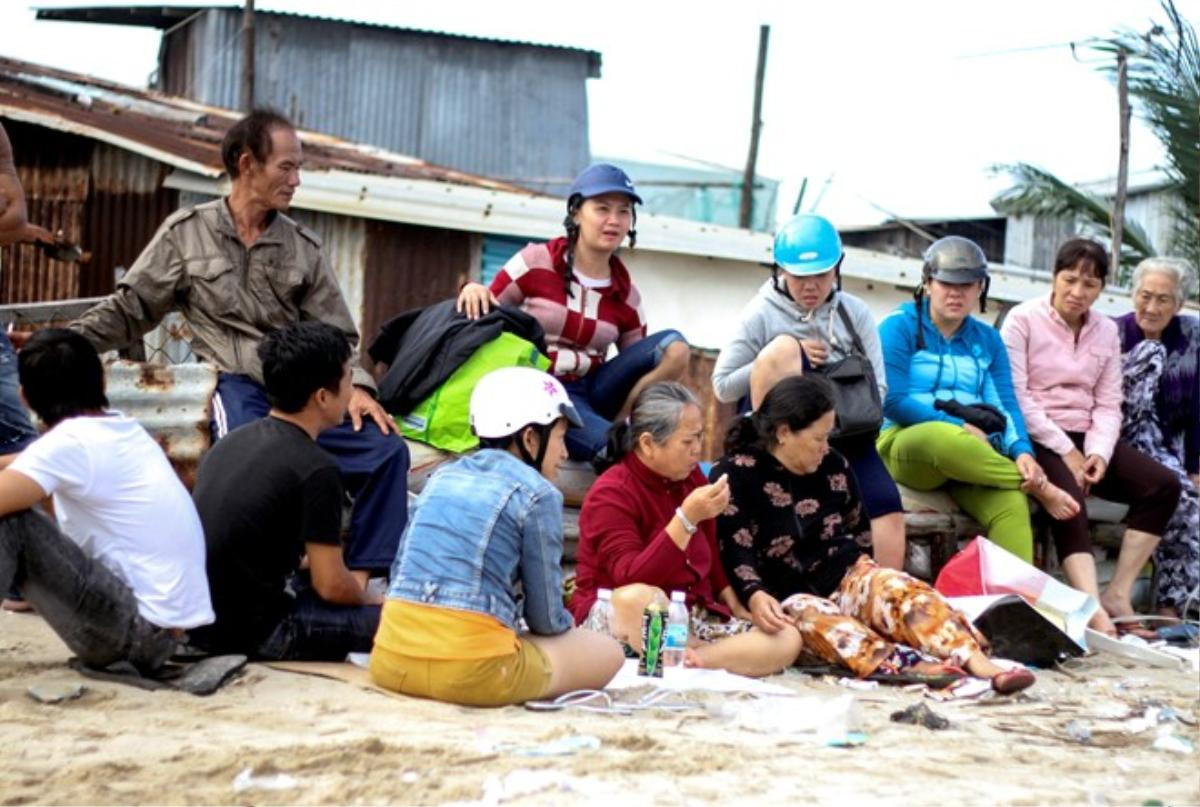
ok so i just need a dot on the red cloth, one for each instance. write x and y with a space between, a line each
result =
623 539
581 328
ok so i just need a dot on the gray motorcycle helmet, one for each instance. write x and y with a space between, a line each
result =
954 259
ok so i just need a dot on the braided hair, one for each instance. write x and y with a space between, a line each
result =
572 227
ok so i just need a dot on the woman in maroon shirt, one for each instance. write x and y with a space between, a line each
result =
647 529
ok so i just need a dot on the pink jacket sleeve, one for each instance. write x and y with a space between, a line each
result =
1016 334
1106 412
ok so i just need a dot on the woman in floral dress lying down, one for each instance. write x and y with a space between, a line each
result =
795 543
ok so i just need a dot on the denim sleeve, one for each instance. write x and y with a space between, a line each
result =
541 565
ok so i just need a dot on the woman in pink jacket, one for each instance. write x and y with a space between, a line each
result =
1066 368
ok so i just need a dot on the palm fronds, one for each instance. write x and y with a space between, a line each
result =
1164 88
1037 192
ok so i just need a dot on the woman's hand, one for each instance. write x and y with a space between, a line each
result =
766 613
975 431
1031 472
816 351
708 501
1094 468
1077 465
734 605
475 300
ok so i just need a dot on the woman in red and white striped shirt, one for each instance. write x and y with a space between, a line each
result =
581 293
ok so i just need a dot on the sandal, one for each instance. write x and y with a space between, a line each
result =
1010 681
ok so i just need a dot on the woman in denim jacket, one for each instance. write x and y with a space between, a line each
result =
450 628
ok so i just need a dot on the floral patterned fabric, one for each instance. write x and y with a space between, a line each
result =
1178 553
785 533
709 627
876 617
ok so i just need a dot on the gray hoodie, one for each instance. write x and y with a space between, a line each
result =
770 314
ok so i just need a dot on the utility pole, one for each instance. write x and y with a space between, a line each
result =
747 207
1118 215
248 56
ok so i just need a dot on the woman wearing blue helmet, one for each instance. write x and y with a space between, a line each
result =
801 321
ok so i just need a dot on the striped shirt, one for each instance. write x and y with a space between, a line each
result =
580 328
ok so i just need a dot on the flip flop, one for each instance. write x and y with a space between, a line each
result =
202 678
1134 626
1010 681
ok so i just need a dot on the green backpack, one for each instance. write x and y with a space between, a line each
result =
443 419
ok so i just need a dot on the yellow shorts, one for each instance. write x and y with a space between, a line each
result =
496 681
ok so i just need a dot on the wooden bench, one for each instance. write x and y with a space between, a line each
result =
936 526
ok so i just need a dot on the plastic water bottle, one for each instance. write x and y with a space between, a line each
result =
600 615
677 631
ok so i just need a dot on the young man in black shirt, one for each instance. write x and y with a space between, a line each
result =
268 498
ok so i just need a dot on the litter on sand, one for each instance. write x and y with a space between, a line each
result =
693 678
247 780
562 747
55 692
919 714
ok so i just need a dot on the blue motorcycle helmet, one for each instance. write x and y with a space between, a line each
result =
808 245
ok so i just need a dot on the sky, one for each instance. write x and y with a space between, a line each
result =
884 107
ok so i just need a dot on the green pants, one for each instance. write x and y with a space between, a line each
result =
983 483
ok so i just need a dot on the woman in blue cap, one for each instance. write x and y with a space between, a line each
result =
581 293
800 322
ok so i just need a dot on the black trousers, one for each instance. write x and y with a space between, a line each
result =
1149 488
88 606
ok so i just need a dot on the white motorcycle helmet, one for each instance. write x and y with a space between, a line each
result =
507 400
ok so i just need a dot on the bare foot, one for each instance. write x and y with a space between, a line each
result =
16 606
692 659
1058 503
936 668
1101 622
1115 605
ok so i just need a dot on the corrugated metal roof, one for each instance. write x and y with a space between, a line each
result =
444 100
179 132
166 17
339 177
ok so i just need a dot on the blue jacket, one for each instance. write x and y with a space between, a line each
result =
483 524
970 367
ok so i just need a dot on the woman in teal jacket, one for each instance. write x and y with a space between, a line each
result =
951 418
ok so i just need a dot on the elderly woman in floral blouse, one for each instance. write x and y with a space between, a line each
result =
1160 348
794 540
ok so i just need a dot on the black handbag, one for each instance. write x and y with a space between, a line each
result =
855 393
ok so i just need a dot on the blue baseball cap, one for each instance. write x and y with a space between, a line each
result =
603 178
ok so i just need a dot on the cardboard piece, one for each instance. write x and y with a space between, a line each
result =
1016 630
985 568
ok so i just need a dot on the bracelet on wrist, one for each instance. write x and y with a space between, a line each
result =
688 526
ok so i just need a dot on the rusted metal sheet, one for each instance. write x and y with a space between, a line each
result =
172 403
53 169
176 131
107 200
410 267
125 205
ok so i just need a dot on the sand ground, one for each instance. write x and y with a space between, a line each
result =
344 744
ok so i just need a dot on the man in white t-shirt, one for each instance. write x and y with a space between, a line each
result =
122 575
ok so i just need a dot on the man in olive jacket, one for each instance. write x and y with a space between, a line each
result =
239 268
